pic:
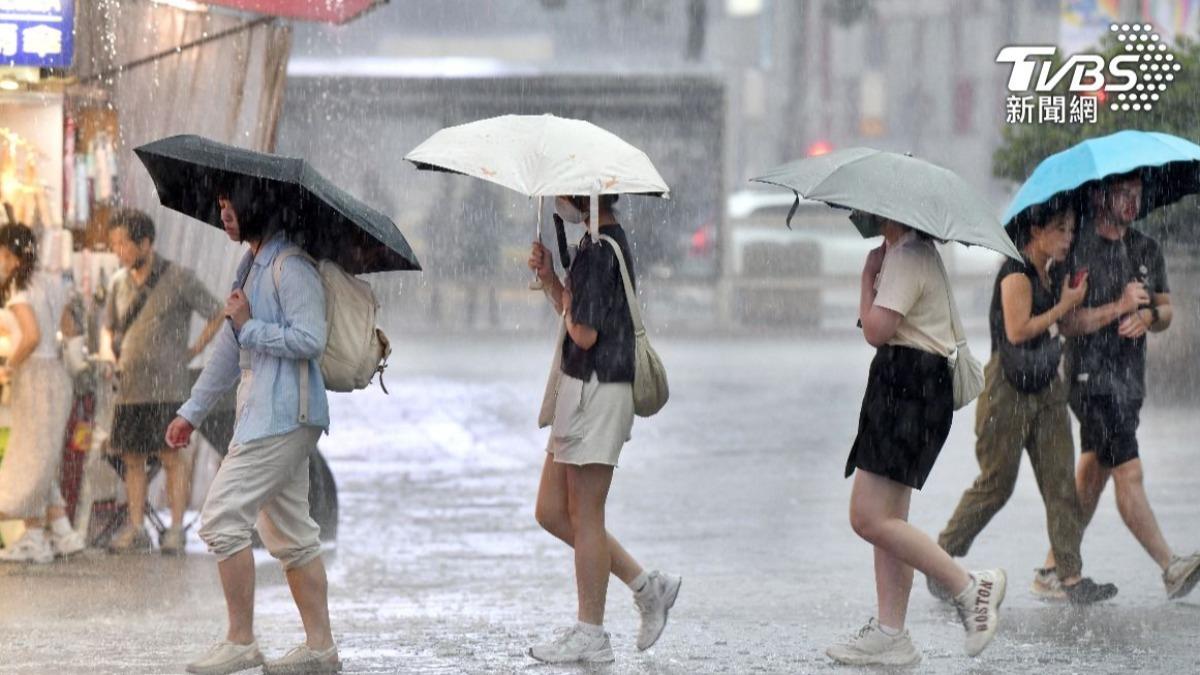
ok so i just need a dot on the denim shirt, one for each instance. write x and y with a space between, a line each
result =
287 326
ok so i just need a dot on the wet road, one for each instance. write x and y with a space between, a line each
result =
736 485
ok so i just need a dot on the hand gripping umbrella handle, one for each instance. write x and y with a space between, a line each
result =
536 283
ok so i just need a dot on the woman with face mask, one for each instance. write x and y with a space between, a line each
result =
593 417
41 404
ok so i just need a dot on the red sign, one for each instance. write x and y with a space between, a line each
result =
327 11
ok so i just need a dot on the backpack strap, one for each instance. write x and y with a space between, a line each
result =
301 364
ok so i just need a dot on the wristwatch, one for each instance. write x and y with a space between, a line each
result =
1153 314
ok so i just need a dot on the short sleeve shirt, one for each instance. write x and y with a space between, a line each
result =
46 295
154 348
598 300
911 284
1103 362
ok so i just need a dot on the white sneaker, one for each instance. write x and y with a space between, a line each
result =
28 549
1046 585
303 660
227 657
574 646
653 602
980 611
67 544
872 647
1182 575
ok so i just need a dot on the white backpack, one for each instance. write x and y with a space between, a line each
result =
355 348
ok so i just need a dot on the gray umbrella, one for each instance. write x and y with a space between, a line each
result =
916 193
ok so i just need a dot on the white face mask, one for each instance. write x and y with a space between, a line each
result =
567 211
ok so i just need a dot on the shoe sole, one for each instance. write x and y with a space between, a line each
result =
1187 585
306 669
673 594
226 670
597 657
910 660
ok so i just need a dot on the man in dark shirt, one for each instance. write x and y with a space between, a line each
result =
1127 297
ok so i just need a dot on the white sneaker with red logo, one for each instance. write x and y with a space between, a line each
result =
979 608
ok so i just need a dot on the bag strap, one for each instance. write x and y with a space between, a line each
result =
125 322
301 364
955 322
630 294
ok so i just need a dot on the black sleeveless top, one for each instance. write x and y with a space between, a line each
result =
1032 365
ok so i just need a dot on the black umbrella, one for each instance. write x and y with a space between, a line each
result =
190 171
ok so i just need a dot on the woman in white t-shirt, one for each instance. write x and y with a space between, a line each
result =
40 405
905 312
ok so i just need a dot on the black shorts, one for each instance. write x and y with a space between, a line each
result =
141 428
906 415
1108 426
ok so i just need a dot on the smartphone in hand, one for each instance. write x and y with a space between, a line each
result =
1077 277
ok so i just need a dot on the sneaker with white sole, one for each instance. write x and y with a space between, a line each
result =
227 657
304 660
30 548
173 542
1046 585
654 602
1182 575
574 646
979 608
67 544
872 647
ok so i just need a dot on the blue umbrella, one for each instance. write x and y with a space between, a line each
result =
1169 167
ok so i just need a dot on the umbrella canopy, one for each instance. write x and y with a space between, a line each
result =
1170 168
190 171
541 156
916 193
327 11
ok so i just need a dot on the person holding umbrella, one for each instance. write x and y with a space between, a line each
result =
921 372
593 417
263 481
1024 404
1128 297
275 347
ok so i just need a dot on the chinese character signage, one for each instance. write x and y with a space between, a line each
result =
37 33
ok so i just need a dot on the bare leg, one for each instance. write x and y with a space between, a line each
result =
587 488
553 515
178 489
878 513
1135 511
135 487
237 580
310 590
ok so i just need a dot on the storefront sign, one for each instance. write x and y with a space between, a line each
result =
37 33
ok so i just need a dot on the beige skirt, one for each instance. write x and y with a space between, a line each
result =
41 405
592 421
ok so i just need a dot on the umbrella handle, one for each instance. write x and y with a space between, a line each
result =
536 283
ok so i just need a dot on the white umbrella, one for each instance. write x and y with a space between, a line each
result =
541 156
